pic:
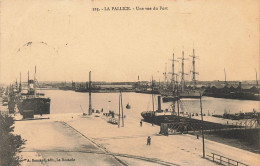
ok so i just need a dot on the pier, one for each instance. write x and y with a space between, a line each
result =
81 136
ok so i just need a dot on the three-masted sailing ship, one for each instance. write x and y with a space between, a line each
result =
182 90
191 92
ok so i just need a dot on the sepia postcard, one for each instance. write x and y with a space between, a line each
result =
129 82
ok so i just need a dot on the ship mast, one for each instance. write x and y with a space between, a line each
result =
34 82
173 73
193 71
256 79
173 83
90 106
16 84
20 84
152 94
28 79
256 83
165 75
225 77
178 106
182 72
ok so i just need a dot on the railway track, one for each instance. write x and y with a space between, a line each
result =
153 160
104 151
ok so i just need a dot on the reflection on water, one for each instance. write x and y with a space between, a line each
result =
71 102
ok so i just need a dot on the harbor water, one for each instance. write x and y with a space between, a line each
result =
75 102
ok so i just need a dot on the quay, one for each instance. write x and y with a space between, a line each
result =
91 139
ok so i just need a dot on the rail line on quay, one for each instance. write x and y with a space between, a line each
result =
154 160
118 154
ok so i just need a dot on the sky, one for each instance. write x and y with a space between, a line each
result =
66 39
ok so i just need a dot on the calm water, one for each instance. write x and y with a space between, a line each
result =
74 102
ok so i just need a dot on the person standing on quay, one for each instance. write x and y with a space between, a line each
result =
149 140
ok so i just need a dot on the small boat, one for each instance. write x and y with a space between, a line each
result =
128 106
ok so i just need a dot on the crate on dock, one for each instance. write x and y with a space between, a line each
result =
28 114
113 120
164 129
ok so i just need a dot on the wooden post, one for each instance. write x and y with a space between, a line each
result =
122 109
153 94
178 106
119 112
203 144
153 99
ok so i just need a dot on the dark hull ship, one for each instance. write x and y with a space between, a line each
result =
86 88
159 116
230 92
235 95
148 91
38 105
170 98
152 117
32 101
194 94
181 123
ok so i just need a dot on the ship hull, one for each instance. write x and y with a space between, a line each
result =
238 96
182 123
190 94
194 94
169 99
38 105
150 117
147 91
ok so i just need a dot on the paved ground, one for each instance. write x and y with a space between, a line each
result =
93 141
58 144
175 149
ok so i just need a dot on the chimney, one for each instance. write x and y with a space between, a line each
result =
159 104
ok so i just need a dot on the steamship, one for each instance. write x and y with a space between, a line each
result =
33 101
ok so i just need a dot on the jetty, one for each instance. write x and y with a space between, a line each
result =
83 137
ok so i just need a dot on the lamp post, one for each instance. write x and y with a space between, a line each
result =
202 132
